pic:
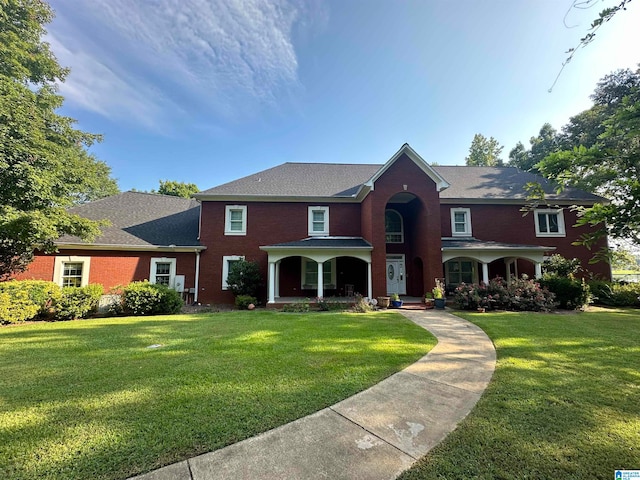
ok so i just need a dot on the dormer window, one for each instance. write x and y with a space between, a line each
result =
461 222
393 227
318 221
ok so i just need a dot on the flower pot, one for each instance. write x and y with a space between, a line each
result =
383 302
440 302
428 303
396 303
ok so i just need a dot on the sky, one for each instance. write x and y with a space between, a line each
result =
208 91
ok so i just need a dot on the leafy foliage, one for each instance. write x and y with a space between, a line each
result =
244 278
44 164
520 295
484 152
297 307
16 307
177 189
78 302
564 267
615 294
144 298
570 293
544 144
243 301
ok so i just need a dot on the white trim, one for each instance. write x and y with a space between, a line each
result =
58 268
467 222
546 211
172 269
401 226
440 182
325 230
225 268
227 219
130 248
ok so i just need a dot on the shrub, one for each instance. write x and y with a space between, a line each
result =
570 293
243 301
521 295
329 304
615 294
144 298
41 292
362 304
562 267
297 307
244 278
77 302
16 307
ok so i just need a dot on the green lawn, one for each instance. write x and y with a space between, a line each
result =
564 402
88 400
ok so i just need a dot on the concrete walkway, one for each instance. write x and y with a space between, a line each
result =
374 435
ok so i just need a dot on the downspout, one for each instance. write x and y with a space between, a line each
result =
195 295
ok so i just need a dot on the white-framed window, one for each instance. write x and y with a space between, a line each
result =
227 261
460 222
310 274
549 223
461 270
393 227
71 271
235 220
163 271
318 221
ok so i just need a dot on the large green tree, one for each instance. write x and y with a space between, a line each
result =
44 163
484 152
542 145
601 154
177 189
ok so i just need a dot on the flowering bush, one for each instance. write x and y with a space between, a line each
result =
522 294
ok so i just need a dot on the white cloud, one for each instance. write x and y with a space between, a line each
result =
134 59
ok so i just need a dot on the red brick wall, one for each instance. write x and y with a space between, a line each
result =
505 223
110 268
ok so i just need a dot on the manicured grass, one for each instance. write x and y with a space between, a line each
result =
89 400
564 402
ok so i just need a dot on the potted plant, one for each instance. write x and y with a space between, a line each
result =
438 295
383 302
395 300
428 300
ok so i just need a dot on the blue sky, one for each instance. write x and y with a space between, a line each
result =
207 91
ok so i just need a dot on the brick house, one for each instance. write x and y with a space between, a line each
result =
330 230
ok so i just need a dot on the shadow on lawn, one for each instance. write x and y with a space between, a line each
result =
90 400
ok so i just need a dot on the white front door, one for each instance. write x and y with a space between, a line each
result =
396 276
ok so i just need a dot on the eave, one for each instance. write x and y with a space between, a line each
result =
131 248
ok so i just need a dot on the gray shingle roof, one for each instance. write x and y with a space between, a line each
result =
326 242
470 243
143 219
341 180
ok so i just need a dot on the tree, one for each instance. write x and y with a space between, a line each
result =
605 158
622 259
545 143
177 189
44 163
484 152
244 278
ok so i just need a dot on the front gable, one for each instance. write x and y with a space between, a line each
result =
407 152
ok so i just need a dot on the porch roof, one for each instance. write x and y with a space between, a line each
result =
464 243
487 251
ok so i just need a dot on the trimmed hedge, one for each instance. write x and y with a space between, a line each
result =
243 301
78 302
144 298
17 307
571 294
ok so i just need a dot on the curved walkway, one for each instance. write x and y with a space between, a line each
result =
377 433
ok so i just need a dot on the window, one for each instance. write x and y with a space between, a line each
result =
549 223
163 271
460 271
227 261
310 274
235 220
461 222
318 221
71 271
393 227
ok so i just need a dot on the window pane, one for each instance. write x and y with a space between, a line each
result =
459 217
318 216
163 268
553 222
393 227
542 222
162 279
72 269
236 215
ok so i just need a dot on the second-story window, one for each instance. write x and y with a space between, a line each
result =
235 220
393 227
549 223
318 221
461 222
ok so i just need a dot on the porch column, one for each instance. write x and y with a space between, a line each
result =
320 280
369 281
485 272
271 281
538 270
277 281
